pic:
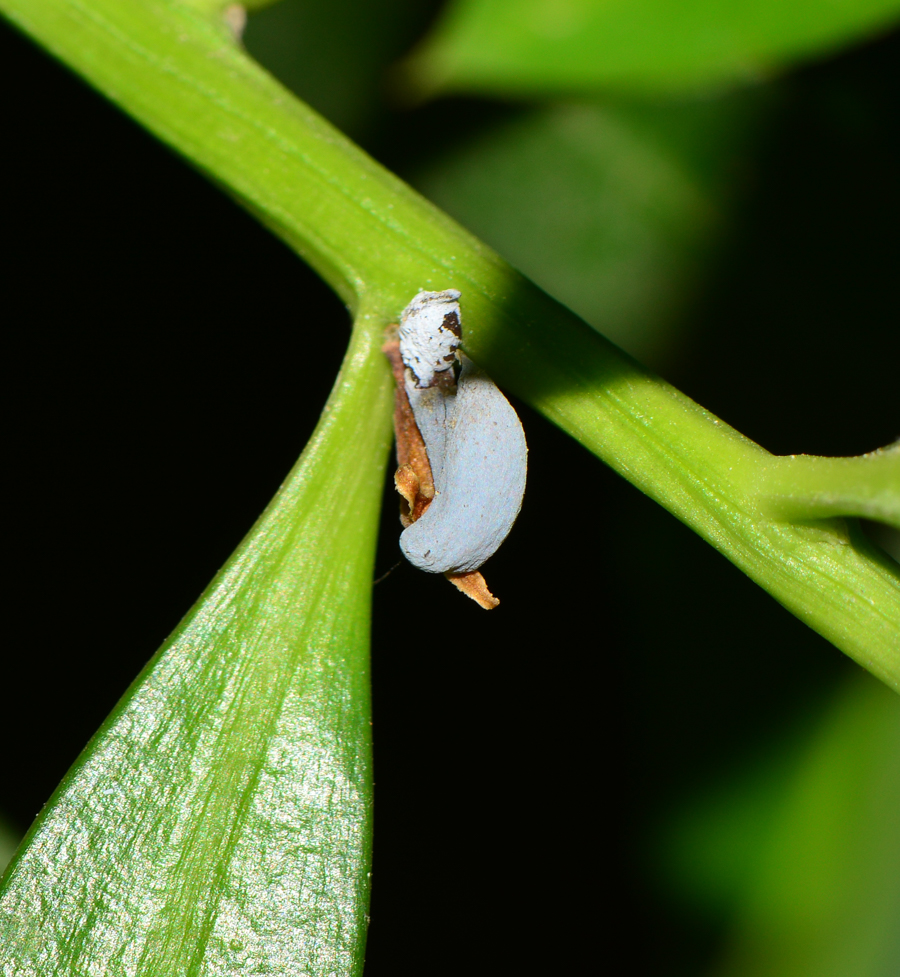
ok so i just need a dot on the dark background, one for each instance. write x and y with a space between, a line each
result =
165 362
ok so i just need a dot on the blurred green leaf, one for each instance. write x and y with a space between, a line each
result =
333 54
709 848
542 47
805 849
220 820
612 208
9 841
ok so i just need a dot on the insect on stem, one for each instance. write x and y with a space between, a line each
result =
461 451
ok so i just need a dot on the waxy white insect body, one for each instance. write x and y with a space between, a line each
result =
474 440
430 331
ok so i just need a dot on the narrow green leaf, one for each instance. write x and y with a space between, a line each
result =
542 47
220 820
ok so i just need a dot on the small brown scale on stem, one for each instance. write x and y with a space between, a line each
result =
413 476
413 479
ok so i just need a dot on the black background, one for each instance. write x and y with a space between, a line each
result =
166 359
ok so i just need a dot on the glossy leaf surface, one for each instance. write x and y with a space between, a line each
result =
220 821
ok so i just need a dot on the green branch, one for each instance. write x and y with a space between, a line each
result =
805 487
180 73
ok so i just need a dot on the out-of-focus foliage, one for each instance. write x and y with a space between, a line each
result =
9 840
335 52
613 207
541 47
803 849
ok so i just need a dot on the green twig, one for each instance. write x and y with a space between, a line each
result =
376 242
806 487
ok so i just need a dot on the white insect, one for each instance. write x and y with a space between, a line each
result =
430 331
474 439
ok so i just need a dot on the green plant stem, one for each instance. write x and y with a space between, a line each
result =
808 487
180 73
